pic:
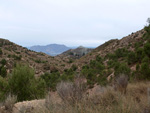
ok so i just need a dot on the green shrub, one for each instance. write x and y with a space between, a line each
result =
24 85
138 45
137 67
1 51
145 71
94 72
131 58
122 68
17 57
3 71
74 67
102 80
51 80
121 52
3 88
68 75
38 61
139 54
3 61
71 53
111 63
70 61
99 59
147 49
92 63
111 56
145 59
146 36
147 28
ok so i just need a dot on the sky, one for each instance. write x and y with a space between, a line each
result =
71 22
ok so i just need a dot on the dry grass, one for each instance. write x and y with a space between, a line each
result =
109 101
8 104
72 92
121 83
106 100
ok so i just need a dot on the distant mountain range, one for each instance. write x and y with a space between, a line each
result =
57 49
51 49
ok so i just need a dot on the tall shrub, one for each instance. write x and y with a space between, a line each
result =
24 85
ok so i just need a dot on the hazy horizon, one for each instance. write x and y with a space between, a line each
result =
73 23
64 45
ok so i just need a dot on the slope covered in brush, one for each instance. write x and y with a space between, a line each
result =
130 56
12 54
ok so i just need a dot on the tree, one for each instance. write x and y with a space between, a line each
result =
148 21
24 85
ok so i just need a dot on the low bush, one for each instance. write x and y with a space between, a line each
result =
9 103
3 61
71 92
121 68
121 83
51 80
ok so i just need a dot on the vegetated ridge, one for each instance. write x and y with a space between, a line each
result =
73 54
12 54
129 55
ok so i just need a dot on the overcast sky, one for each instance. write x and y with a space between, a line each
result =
70 22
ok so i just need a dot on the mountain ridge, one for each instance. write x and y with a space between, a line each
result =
50 49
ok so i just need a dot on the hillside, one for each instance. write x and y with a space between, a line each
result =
123 66
73 54
101 62
11 54
110 46
76 53
51 49
129 55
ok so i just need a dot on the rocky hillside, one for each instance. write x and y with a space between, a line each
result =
73 54
115 56
51 49
110 46
129 55
11 54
